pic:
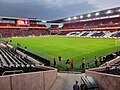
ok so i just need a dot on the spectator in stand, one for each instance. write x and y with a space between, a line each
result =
71 63
59 58
101 60
96 61
76 86
83 63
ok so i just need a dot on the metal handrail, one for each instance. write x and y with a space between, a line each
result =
14 72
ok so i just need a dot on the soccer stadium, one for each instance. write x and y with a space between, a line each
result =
35 53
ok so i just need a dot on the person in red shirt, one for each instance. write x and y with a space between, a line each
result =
71 63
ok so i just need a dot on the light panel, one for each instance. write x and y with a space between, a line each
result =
97 13
89 15
109 11
69 19
74 18
43 21
81 16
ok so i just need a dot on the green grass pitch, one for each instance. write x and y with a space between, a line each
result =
74 48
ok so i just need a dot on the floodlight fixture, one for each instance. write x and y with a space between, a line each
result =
69 19
81 16
108 12
74 18
89 15
97 13
43 21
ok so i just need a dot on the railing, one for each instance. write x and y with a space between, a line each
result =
14 72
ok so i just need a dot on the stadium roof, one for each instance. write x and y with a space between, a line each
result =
113 12
108 13
14 18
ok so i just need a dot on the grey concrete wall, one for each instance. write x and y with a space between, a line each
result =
49 79
105 81
32 81
29 81
5 83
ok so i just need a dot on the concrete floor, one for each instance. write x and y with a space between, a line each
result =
65 81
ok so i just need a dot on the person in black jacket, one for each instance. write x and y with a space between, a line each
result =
54 62
67 62
96 61
59 58
76 86
83 63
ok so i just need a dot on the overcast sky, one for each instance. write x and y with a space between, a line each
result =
52 9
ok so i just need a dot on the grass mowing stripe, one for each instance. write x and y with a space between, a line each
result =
68 47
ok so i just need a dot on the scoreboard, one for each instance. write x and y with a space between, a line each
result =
23 22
